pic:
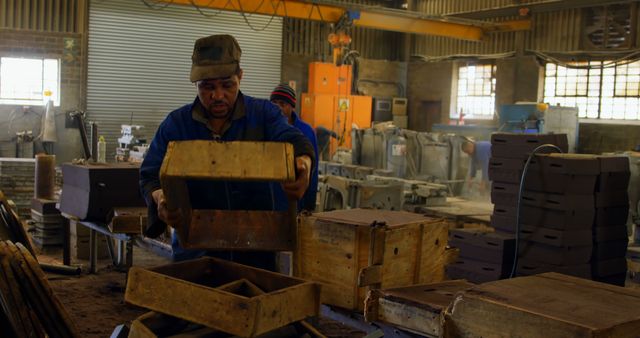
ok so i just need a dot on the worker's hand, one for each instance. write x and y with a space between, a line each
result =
295 190
171 217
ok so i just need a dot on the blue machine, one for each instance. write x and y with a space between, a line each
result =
521 118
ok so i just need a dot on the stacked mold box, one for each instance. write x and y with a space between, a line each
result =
509 153
573 212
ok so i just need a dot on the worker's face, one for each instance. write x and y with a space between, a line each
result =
284 107
218 96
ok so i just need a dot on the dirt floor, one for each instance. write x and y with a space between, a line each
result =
96 301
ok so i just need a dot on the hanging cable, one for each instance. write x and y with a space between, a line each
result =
193 3
522 181
156 4
246 20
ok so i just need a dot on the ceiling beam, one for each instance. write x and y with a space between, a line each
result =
377 18
538 7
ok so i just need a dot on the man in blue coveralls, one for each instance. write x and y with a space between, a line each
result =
480 153
221 112
284 97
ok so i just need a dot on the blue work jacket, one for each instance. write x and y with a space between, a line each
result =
251 120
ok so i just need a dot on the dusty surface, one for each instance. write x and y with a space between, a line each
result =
96 301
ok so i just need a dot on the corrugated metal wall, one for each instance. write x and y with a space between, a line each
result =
440 7
559 31
42 15
140 58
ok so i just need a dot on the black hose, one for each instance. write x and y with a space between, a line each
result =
524 175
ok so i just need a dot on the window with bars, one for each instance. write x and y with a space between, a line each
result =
599 89
476 92
23 81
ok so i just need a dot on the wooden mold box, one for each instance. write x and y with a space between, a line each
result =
545 305
222 295
237 161
349 251
418 308
155 325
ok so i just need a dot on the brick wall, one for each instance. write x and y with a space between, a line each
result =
68 47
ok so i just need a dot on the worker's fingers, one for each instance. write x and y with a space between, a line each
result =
303 164
295 190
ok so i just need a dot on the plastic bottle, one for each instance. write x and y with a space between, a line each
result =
102 150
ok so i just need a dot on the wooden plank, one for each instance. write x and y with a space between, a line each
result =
564 306
154 325
16 229
401 255
240 230
433 257
13 303
246 161
38 282
327 255
287 307
128 220
367 217
418 308
189 291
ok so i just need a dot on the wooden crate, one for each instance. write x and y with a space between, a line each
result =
418 308
350 250
545 305
239 161
214 293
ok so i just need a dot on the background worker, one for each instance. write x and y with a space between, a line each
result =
221 112
284 97
480 153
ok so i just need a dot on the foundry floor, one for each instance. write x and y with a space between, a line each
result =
96 301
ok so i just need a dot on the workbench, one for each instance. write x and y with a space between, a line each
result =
122 256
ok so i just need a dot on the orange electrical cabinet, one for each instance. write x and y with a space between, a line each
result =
327 78
317 109
336 113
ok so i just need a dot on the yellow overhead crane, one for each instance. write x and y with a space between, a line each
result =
365 16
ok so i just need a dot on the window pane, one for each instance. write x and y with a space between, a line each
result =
23 81
476 91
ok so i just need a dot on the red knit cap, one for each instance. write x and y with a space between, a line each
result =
285 93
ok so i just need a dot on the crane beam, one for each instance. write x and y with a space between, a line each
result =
370 17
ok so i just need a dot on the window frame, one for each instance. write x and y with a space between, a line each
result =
607 87
492 79
56 95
